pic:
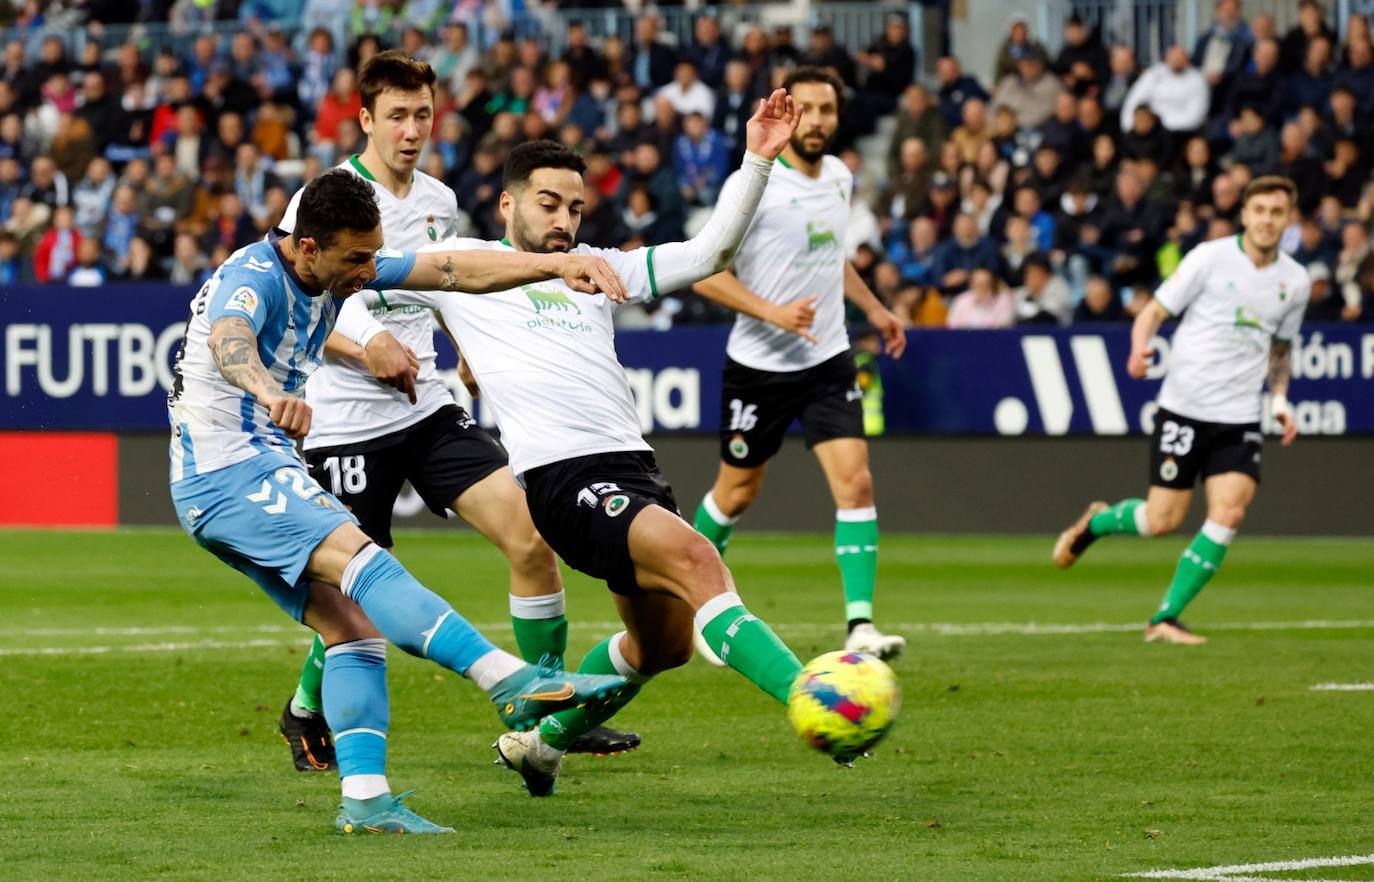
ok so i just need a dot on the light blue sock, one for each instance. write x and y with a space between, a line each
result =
358 713
410 615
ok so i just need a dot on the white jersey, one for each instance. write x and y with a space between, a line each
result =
216 424
348 404
795 249
1220 353
544 357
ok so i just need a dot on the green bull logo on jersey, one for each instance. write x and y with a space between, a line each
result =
550 300
818 236
1244 320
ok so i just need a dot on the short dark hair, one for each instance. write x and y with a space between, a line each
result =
1039 260
336 200
810 73
525 158
392 69
1270 184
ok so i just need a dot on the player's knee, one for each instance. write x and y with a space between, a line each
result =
856 490
1163 521
700 566
666 655
528 552
1227 515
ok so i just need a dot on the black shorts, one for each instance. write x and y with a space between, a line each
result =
441 456
1182 450
756 407
583 508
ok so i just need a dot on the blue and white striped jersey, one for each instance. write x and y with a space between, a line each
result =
215 424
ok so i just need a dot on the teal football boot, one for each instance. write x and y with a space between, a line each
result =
391 817
535 691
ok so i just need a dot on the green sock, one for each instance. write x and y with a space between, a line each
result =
1124 517
712 523
561 729
856 551
1199 562
746 643
312 675
541 626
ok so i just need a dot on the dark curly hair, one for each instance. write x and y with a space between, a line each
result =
336 200
525 158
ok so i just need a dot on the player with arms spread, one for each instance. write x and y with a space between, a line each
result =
256 332
1242 302
366 439
791 274
544 357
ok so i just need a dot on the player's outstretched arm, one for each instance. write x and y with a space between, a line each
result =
482 272
883 320
679 264
726 289
1143 330
235 349
1280 368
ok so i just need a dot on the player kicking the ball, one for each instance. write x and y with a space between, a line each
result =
791 274
366 439
1242 302
256 332
544 358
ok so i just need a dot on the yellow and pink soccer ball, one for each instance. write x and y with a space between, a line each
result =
843 703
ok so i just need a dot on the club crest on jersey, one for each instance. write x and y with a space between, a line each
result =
1283 291
431 229
616 504
739 448
1168 470
549 300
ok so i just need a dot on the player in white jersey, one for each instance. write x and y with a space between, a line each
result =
256 332
544 358
1242 302
791 274
366 439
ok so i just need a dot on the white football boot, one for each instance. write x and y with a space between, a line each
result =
536 762
866 638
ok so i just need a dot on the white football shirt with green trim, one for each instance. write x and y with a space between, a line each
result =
1232 311
349 405
544 357
795 249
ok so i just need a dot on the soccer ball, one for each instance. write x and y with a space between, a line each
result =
843 703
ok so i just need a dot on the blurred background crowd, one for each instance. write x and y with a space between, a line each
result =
1062 189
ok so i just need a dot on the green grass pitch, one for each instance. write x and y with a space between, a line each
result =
142 680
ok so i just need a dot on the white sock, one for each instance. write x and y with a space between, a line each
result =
715 606
364 786
1142 522
1218 533
299 710
355 566
492 668
546 606
709 503
622 667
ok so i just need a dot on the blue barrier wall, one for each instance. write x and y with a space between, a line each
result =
101 359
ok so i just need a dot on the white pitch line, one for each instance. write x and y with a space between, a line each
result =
1343 687
148 647
1240 872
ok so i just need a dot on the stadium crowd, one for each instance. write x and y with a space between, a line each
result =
1062 191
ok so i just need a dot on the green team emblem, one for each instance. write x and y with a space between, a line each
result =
1168 470
1283 292
549 300
431 229
818 236
1244 320
739 448
616 504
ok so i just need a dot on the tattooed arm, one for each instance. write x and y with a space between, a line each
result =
235 349
482 271
1280 367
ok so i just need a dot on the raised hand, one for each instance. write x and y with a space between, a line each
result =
772 125
591 274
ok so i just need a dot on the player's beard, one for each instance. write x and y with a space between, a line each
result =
520 233
809 154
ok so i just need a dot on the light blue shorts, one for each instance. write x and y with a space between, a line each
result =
264 517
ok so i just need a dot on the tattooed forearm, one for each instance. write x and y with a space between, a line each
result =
235 349
449 282
1280 365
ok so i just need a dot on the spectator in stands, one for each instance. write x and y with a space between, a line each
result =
973 132
1177 93
905 193
688 94
582 59
917 117
942 203
1225 201
701 160
1310 85
822 51
1322 306
1123 71
1354 274
652 63
982 203
1132 230
10 184
11 268
91 198
920 307
641 219
709 50
12 144
101 111
1082 63
1357 75
1018 244
1256 146
959 255
1105 163
1044 296
55 255
956 88
1099 304
1346 173
986 303
734 105
1031 91
318 66
1260 85
47 184
342 102
187 261
73 146
915 258
1311 26
1017 45
646 171
142 265
890 64
1344 119
89 270
224 92
1193 177
1222 51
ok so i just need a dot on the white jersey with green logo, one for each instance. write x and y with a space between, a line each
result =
1232 311
795 249
544 357
349 404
